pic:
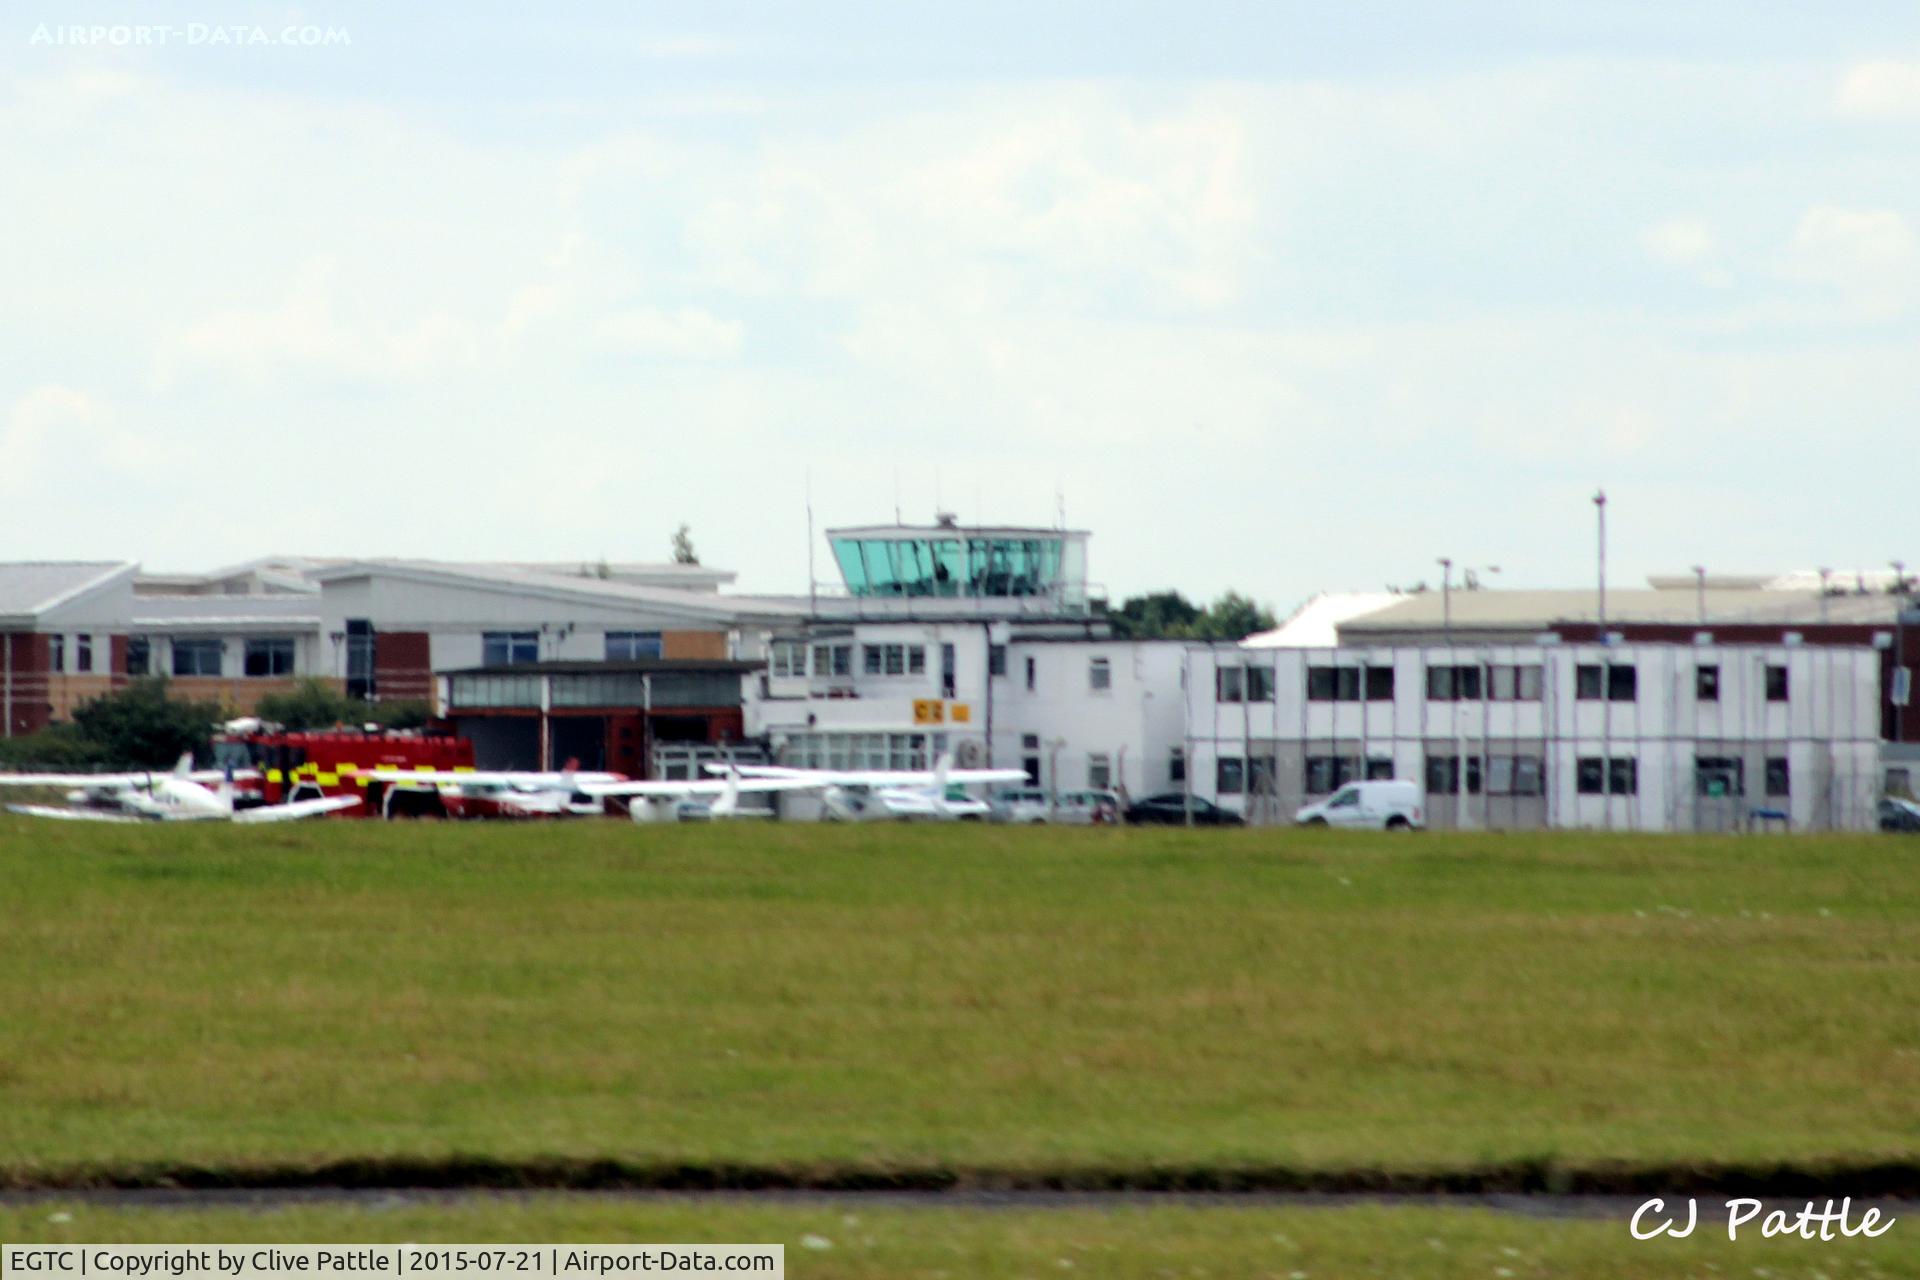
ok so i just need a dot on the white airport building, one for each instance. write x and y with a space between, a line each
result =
1698 704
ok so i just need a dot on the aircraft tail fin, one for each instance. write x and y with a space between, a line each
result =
729 801
184 765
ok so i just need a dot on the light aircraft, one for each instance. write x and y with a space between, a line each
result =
474 793
852 795
183 795
717 798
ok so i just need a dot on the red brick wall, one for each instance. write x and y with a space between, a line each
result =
402 666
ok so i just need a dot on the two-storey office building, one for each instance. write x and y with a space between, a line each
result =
1631 736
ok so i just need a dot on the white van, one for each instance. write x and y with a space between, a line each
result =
1392 805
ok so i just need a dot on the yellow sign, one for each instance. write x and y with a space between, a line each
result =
928 711
962 713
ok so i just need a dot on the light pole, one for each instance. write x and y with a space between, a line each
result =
1900 648
1600 509
1453 689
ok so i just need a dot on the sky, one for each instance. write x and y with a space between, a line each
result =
1275 297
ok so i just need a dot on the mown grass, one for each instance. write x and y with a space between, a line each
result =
888 997
841 1242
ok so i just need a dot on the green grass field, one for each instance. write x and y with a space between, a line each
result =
951 999
838 1242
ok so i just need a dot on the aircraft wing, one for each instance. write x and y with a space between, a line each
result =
71 815
706 787
80 781
511 778
298 809
885 777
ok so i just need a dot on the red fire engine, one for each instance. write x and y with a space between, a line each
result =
301 766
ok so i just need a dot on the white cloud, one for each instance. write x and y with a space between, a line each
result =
1882 88
688 334
1687 245
1869 255
54 434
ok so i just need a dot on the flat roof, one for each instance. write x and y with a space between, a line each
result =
622 666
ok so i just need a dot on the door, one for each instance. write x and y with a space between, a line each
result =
1345 809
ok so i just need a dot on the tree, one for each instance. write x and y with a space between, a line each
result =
315 704
683 552
311 704
143 726
1168 615
1158 615
1235 617
58 746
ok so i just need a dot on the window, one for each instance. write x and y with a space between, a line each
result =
1099 678
626 646
1030 674
139 655
870 660
1515 776
269 657
1177 765
1333 684
1715 776
509 648
916 659
1706 683
1229 684
1443 775
894 659
56 653
1779 779
1514 684
1099 770
1776 684
1379 770
1259 684
1261 775
1329 773
360 673
832 660
784 657
1229 775
1617 682
1453 684
996 659
197 657
83 653
1619 775
1623 682
1379 684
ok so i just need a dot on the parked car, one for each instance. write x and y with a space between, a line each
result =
1899 815
1088 808
1169 808
1380 805
1022 804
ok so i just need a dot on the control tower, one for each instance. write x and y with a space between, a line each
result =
1029 569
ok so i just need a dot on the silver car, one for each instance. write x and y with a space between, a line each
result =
1088 808
1022 804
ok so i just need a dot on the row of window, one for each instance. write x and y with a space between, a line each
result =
1497 775
1473 682
192 656
520 648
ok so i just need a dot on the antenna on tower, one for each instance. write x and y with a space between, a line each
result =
813 583
1060 501
896 494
